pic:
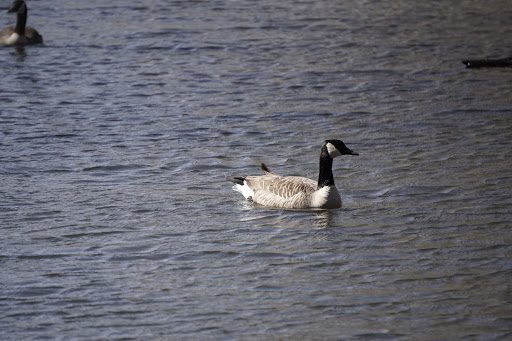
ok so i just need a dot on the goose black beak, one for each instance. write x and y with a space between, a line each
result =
347 151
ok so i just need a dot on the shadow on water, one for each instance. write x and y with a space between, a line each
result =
323 219
287 219
19 51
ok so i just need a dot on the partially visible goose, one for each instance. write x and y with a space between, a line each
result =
21 34
273 190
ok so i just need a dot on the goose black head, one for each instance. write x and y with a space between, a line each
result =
336 148
18 6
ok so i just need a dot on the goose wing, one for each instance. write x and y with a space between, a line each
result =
5 34
285 187
7 31
278 191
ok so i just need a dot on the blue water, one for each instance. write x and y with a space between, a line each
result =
117 222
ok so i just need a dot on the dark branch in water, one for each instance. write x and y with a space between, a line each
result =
475 63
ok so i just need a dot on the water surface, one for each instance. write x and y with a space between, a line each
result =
117 134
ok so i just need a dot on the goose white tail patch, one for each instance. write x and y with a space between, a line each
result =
245 190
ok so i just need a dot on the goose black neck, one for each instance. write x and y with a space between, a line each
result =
325 177
21 22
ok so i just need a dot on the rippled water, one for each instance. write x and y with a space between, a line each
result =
117 134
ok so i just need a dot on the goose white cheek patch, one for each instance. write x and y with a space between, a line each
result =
332 150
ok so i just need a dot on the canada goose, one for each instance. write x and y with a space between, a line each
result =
21 34
273 190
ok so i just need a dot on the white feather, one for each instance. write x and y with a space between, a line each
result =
13 39
245 190
326 197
